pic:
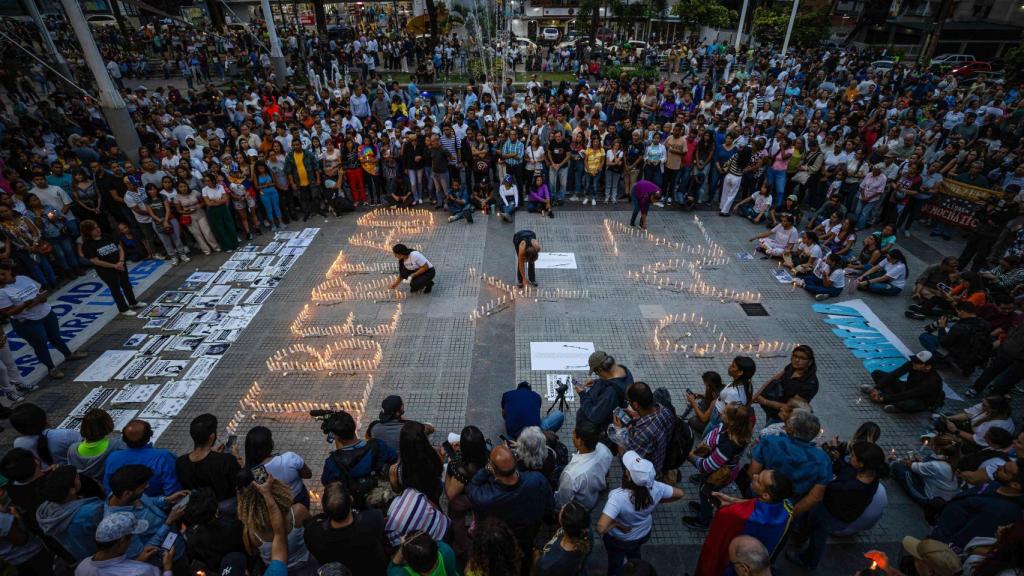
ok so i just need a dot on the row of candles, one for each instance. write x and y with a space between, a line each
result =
323 358
347 328
397 218
707 236
719 344
711 250
342 267
337 290
697 287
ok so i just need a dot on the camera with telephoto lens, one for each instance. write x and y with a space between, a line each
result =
324 416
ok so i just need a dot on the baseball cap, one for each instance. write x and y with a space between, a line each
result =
391 405
251 152
923 357
388 125
597 359
118 525
640 470
793 197
937 556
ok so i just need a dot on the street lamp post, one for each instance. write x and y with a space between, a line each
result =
111 102
739 31
789 28
276 57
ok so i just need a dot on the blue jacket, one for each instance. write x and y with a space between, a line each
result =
521 506
603 396
975 512
387 456
520 409
165 479
73 524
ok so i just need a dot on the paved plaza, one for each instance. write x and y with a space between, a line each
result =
451 365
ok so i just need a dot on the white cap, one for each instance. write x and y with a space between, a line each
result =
251 152
387 125
640 471
924 357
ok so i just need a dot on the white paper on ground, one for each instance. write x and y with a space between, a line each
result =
242 256
204 302
217 290
161 311
552 382
272 248
155 344
136 368
556 260
199 276
285 235
164 368
106 366
159 426
201 368
174 297
134 394
259 296
179 389
135 340
560 356
182 321
163 408
184 343
155 324
211 349
234 296
292 251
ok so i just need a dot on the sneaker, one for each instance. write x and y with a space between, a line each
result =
915 308
914 315
574 198
77 355
694 522
22 387
56 374
659 204
206 252
867 388
451 219
174 261
928 436
821 297
139 305
891 409
185 258
14 396
159 257
469 217
972 393
129 313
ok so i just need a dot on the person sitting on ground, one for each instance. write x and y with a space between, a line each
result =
482 198
599 397
207 465
922 390
421 555
979 511
648 428
211 534
756 206
457 202
67 517
964 339
343 534
521 408
936 279
584 477
979 467
849 498
768 514
970 424
968 287
20 547
703 404
359 464
540 198
798 457
388 426
36 435
89 456
887 278
139 450
716 459
519 499
826 280
930 478
114 536
401 196
778 241
162 515
799 379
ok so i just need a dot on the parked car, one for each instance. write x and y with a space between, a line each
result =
970 69
882 66
524 43
550 34
101 20
947 61
579 43
637 44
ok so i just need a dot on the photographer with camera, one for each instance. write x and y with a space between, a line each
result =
388 426
966 338
599 397
643 426
361 465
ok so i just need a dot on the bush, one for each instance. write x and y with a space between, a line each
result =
642 72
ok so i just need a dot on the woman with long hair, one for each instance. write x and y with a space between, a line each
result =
702 160
494 551
734 168
413 269
466 457
567 550
933 477
888 277
799 379
716 459
626 520
255 516
1004 557
288 467
263 182
275 162
353 172
740 391
189 204
419 466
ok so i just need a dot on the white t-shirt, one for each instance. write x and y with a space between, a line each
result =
54 196
939 481
415 261
976 414
20 291
784 237
896 272
620 507
133 198
730 395
57 439
286 467
838 278
215 193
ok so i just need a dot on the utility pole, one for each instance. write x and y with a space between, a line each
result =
276 57
743 20
789 28
111 102
932 39
58 60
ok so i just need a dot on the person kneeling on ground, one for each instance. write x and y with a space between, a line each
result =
921 392
520 408
413 269
540 198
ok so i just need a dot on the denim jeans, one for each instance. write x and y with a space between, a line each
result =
929 341
459 211
38 267
557 180
814 285
271 204
1000 375
553 421
821 525
866 212
441 186
910 481
416 183
591 182
882 288
653 173
704 189
777 184
619 551
611 184
682 184
40 334
63 254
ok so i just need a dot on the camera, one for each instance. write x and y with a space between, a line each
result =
561 388
324 416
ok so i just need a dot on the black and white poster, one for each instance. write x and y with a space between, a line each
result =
166 368
106 366
201 368
136 368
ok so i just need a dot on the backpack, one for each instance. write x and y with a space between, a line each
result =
359 488
680 442
562 456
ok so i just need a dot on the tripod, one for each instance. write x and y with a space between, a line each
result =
559 400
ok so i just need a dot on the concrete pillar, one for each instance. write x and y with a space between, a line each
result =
276 57
58 60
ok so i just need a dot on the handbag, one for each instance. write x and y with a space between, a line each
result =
185 219
720 477
43 247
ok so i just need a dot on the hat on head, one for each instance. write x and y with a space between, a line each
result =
922 357
118 525
508 179
251 152
939 558
793 197
597 359
233 564
391 405
488 118
640 470
388 125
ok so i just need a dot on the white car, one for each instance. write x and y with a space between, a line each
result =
882 65
951 60
550 34
637 44
101 20
524 43
576 41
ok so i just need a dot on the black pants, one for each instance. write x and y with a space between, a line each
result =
419 282
517 239
887 384
977 249
39 565
120 287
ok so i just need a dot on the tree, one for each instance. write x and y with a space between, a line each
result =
694 14
810 28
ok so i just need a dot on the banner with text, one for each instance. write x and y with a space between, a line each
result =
958 203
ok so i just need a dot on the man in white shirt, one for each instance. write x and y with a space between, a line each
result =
583 478
114 535
56 197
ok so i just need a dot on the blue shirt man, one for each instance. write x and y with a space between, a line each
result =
520 408
136 436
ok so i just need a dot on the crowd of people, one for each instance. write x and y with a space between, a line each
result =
830 160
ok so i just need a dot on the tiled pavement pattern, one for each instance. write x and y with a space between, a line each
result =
446 366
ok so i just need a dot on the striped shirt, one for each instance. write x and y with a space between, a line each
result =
412 511
517 149
723 452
